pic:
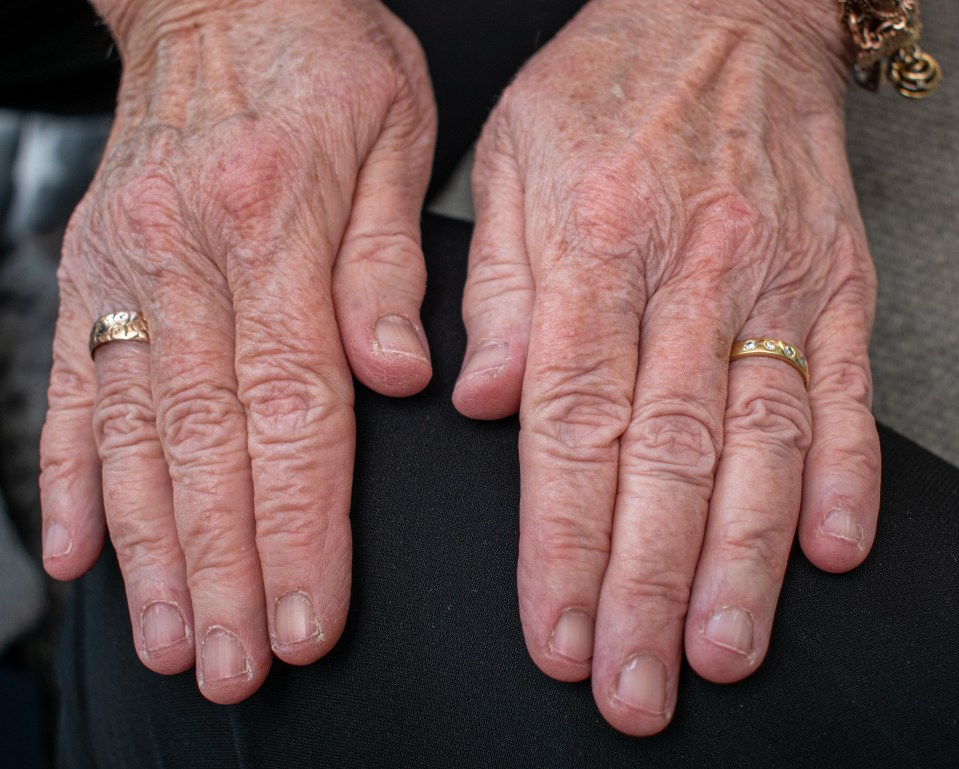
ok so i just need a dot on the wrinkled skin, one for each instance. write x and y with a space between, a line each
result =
259 201
661 179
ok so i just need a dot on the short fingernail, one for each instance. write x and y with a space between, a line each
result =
56 541
222 657
843 525
730 628
486 358
295 619
162 625
642 684
396 334
573 636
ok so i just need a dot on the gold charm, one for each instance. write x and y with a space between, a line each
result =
886 36
914 74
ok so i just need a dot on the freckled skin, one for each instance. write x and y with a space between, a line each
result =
661 179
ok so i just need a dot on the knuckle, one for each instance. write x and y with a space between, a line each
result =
773 418
729 226
743 540
200 424
211 568
674 440
566 537
293 410
289 538
611 206
662 591
250 176
394 257
139 541
148 207
123 419
844 384
580 411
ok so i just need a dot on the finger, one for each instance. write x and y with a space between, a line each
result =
296 389
202 427
840 504
576 404
498 297
138 502
70 495
667 460
754 508
379 277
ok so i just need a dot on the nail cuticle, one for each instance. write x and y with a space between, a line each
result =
295 618
170 633
218 634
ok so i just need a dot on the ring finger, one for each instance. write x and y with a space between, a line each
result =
138 501
755 504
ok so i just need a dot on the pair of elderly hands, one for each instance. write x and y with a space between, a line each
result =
659 180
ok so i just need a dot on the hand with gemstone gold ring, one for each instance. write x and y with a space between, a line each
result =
255 219
664 187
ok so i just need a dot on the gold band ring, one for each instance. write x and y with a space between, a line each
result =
771 348
121 326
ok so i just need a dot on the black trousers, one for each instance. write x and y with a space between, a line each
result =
432 669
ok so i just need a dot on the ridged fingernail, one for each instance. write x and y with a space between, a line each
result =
573 636
56 540
642 684
486 358
730 628
222 657
395 334
162 625
841 524
295 619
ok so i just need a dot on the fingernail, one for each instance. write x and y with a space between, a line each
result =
222 657
642 684
56 541
730 628
161 625
487 357
396 335
841 524
573 636
295 619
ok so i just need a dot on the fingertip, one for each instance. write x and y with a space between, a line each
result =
391 356
726 645
69 549
567 653
226 672
491 381
299 636
836 540
639 701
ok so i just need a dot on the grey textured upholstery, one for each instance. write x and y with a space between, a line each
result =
905 160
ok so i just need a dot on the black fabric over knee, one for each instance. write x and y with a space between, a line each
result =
433 672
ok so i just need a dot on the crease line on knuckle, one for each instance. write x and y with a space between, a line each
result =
772 418
673 440
200 425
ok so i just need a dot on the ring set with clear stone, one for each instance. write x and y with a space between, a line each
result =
773 348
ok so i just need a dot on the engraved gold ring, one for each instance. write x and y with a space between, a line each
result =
771 348
123 326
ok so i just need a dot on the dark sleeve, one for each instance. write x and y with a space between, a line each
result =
56 56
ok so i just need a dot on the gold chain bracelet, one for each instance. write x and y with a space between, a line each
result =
886 36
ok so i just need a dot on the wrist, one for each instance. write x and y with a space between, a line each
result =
137 24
